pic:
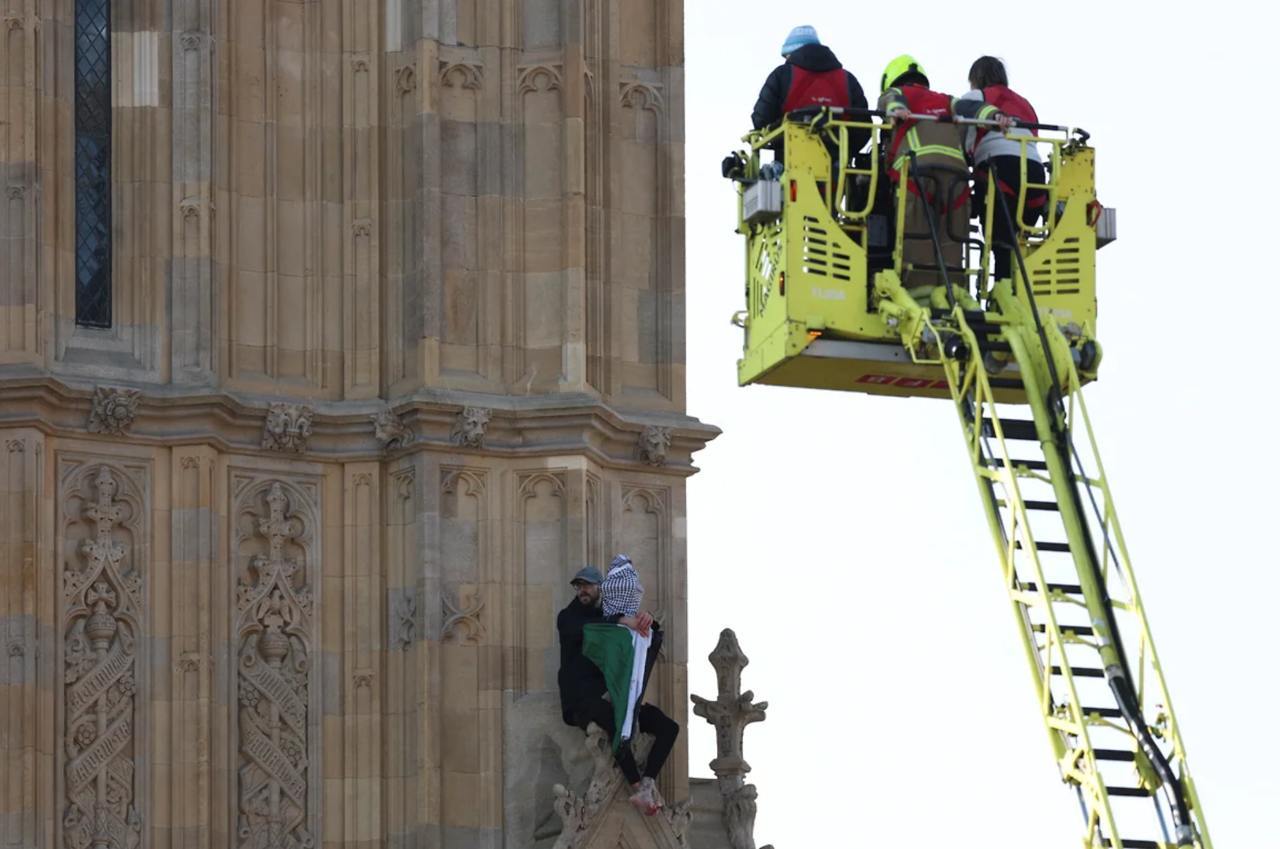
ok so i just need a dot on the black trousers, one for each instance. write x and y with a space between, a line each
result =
651 720
1009 178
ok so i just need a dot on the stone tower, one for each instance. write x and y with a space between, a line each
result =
335 335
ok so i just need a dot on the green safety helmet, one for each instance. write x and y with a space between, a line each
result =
904 64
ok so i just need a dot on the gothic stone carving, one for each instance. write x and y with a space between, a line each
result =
462 618
287 428
390 430
731 712
641 95
406 619
102 589
579 812
113 410
190 207
461 74
740 817
273 681
406 78
539 77
470 426
653 444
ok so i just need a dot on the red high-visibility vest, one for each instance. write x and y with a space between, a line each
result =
920 101
816 88
1010 103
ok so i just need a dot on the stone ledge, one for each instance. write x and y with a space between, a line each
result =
577 423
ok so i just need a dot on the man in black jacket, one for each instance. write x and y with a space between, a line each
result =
810 76
583 688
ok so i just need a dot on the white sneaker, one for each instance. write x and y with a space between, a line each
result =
650 788
642 799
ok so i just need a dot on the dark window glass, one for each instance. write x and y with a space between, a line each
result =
93 163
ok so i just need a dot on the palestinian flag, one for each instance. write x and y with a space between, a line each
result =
626 659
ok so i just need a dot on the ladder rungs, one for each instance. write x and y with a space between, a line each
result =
1078 630
1032 504
1023 429
1047 546
1106 713
1080 671
1139 844
1129 791
1031 465
1113 755
1005 383
1071 589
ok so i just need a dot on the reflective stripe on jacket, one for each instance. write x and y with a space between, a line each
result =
935 144
982 144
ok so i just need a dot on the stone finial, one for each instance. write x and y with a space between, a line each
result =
113 410
470 426
390 430
731 712
653 444
287 427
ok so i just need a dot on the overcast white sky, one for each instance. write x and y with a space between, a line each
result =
901 710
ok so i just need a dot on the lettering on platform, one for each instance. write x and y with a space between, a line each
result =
274 619
102 590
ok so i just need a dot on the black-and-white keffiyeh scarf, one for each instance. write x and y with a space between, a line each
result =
620 591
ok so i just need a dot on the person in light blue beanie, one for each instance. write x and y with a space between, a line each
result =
810 76
797 38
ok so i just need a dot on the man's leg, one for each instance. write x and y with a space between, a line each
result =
664 730
601 713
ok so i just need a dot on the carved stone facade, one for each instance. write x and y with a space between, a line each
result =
113 410
603 817
261 584
104 612
273 632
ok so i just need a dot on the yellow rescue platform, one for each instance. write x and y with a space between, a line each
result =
835 301
818 306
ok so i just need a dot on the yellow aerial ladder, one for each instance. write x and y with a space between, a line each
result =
827 309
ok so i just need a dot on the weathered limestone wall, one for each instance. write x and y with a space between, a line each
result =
397 345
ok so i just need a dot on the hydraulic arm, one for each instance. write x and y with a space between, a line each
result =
1101 691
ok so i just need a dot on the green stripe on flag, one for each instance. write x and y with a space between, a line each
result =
610 647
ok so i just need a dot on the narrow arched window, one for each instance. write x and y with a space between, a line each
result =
93 162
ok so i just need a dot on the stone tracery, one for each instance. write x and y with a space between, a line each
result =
274 614
103 593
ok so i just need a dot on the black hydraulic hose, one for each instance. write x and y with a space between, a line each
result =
933 230
1120 682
